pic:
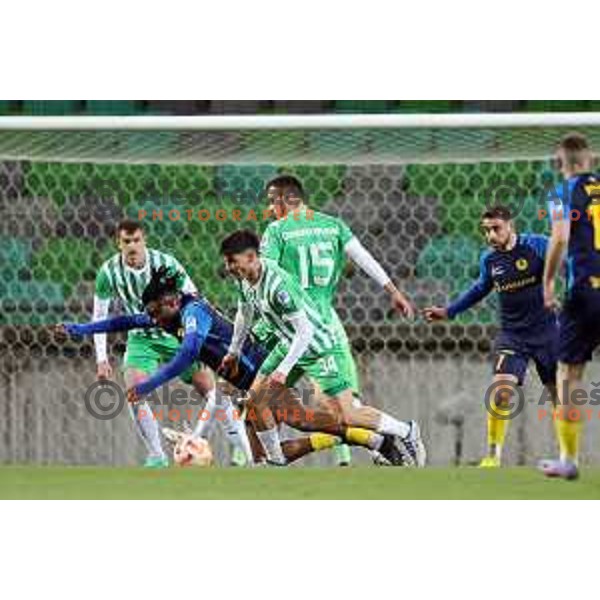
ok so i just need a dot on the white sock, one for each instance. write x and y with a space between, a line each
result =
375 441
147 427
271 444
234 428
203 426
392 426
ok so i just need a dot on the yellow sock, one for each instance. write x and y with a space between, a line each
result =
568 433
322 441
360 437
496 430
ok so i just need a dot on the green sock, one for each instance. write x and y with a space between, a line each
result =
238 459
343 454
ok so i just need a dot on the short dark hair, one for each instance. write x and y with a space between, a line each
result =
575 146
129 226
163 281
574 142
289 183
497 212
240 241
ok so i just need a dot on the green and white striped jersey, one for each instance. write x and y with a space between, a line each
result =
117 281
277 297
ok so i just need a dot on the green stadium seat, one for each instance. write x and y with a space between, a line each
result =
66 262
51 107
244 182
14 258
555 105
424 106
263 146
114 107
454 260
14 254
361 106
171 219
31 302
8 107
149 145
337 146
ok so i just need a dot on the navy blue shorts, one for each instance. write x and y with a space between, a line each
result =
251 358
512 358
579 327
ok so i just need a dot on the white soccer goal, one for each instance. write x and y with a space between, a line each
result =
306 139
412 188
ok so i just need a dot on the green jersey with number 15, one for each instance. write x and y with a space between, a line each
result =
310 245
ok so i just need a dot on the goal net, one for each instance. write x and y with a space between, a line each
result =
412 189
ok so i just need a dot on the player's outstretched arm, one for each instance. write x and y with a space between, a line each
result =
185 357
559 241
196 323
359 255
477 292
435 313
120 323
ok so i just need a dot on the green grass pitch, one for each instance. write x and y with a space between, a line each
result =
26 482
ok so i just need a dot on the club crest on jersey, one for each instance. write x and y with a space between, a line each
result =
283 297
522 264
190 324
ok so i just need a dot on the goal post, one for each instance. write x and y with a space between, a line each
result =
412 188
305 139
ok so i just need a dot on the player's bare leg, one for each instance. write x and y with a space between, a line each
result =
355 414
342 452
293 449
326 417
568 423
266 406
259 412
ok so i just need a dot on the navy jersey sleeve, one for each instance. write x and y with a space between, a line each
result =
121 323
479 290
197 322
539 243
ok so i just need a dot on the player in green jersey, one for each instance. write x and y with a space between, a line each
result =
124 277
306 346
314 247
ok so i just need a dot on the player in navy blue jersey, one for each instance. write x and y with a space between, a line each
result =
206 335
574 210
513 266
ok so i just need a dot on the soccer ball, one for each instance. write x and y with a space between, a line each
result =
192 452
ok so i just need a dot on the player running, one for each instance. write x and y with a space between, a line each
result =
574 211
313 247
206 336
306 346
124 277
513 266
